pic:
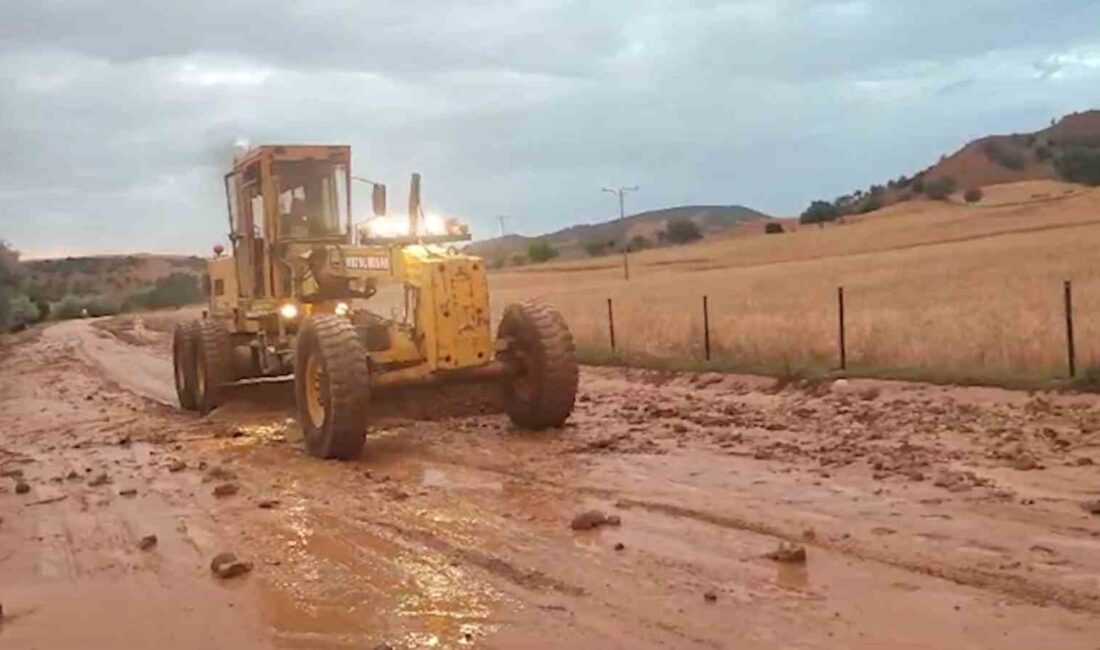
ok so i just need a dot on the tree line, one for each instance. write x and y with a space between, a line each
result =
24 302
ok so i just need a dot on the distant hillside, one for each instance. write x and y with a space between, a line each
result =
992 160
113 277
570 242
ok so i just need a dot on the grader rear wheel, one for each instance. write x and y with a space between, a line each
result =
184 340
332 387
213 365
542 391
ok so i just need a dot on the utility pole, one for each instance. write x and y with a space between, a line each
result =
502 219
622 215
620 192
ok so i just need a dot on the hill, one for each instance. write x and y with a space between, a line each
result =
570 242
991 160
114 277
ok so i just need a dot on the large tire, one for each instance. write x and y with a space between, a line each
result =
184 340
213 365
332 387
542 391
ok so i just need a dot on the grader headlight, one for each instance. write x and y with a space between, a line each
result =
289 311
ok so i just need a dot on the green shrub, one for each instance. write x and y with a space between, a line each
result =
820 212
541 251
682 231
973 195
595 248
941 188
773 228
1004 156
638 243
1079 165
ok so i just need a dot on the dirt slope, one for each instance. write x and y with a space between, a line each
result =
930 517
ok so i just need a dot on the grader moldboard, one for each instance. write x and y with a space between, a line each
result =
293 297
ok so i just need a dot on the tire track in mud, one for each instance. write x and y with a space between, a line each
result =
1010 585
530 579
1003 583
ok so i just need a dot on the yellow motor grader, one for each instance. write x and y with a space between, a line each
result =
304 291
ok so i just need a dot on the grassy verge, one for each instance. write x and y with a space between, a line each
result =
1088 381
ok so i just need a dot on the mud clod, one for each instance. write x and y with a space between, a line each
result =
267 504
177 466
22 487
1025 462
789 553
710 596
128 492
226 490
594 519
147 542
100 479
219 473
226 565
1091 507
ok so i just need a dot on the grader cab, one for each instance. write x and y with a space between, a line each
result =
305 290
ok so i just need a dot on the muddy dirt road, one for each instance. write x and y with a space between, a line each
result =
930 517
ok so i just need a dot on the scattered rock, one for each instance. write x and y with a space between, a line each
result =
1025 462
594 519
218 473
710 596
809 534
394 492
619 546
268 504
100 479
226 490
1084 461
22 487
11 473
177 466
226 565
128 492
1091 507
73 475
147 542
789 553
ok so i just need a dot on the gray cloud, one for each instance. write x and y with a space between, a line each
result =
117 119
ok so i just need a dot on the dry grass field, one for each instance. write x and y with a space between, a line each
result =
938 290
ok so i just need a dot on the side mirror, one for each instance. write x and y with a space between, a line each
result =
378 199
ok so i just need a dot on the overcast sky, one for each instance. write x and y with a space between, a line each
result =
117 119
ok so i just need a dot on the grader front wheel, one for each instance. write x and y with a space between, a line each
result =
332 387
543 387
184 340
213 364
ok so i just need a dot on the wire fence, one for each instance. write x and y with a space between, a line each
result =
1039 352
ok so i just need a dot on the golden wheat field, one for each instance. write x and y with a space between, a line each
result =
932 289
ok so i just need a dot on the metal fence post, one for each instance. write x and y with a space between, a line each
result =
1071 352
611 323
842 343
706 328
